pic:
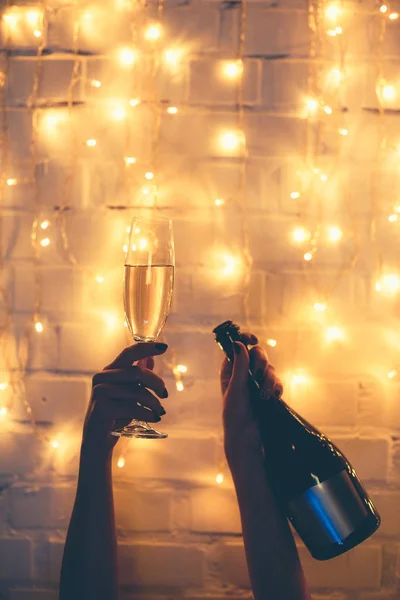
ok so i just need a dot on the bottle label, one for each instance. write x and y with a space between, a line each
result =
328 512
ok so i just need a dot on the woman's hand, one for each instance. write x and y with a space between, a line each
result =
240 425
122 392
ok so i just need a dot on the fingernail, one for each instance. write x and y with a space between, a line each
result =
163 411
157 419
160 347
165 393
254 339
277 393
258 375
236 347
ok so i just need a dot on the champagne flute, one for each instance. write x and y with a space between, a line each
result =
148 287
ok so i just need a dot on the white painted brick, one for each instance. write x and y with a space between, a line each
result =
33 595
234 567
273 33
55 550
368 455
383 595
215 510
57 286
15 558
360 568
57 400
142 510
194 27
182 458
209 85
41 507
282 84
18 452
176 566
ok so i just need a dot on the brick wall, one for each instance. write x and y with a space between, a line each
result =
179 529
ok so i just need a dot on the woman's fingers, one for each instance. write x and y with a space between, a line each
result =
135 353
258 362
133 375
108 396
249 339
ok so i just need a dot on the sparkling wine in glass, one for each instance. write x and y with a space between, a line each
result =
148 287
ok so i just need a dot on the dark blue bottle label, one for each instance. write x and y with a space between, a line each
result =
328 512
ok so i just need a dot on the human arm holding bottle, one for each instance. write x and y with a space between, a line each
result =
272 558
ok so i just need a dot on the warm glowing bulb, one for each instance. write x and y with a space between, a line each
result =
393 16
333 11
233 69
323 177
320 306
179 386
149 175
231 140
119 113
99 278
300 235
343 131
338 30
134 102
172 57
308 256
44 224
11 19
334 233
393 218
3 411
220 478
45 242
392 374
230 264
219 202
383 8
37 33
111 320
333 334
397 209
143 243
95 83
126 57
299 378
121 462
51 121
336 75
294 195
153 32
312 105
39 327
328 110
91 143
130 160
55 443
181 368
145 191
11 181
3 385
388 284
271 342
388 92
172 110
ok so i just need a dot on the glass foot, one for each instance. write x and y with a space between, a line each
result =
139 429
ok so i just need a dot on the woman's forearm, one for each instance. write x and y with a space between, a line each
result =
272 558
89 567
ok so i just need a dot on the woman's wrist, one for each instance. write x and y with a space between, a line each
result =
241 452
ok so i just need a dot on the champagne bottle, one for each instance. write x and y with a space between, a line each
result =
311 478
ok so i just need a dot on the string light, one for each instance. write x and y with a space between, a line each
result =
343 131
119 113
126 57
231 140
271 342
393 16
172 110
328 110
45 242
91 143
37 33
44 224
134 102
172 57
312 105
130 160
95 83
179 386
232 69
219 478
323 177
300 235
383 8
39 327
3 411
393 218
99 278
219 202
55 443
299 378
11 19
153 32
181 369
334 233
392 374
11 181
333 11
320 306
334 334
149 175
308 256
295 195
111 320
3 385
336 75
388 284
388 92
121 462
230 264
